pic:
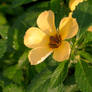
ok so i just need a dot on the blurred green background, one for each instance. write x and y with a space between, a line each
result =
16 73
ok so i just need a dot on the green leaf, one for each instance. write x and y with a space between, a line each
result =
13 88
2 19
28 19
3 47
14 74
59 74
20 2
22 60
86 56
39 80
4 31
83 14
88 36
83 77
60 9
17 31
46 88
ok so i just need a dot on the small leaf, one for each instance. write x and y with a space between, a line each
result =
83 77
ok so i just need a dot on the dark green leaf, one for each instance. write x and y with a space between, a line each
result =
59 74
86 56
20 2
60 9
83 77
3 47
13 73
39 81
83 15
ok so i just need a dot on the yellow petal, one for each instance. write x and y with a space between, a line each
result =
34 37
90 28
46 23
63 52
38 55
73 4
68 27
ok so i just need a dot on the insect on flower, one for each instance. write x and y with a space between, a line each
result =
47 39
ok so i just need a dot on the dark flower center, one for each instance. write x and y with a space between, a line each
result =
55 41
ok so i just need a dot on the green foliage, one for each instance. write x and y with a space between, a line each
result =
82 76
83 15
18 75
20 2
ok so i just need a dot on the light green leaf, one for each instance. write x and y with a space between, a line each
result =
4 31
13 88
83 75
2 19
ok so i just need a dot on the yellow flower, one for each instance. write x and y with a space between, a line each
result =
90 28
74 3
47 39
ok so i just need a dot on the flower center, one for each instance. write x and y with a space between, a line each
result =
55 41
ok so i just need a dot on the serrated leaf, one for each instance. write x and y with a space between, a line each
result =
83 77
83 16
59 74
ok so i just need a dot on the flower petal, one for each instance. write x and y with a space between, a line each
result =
90 28
63 52
34 37
46 22
68 27
38 55
73 4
